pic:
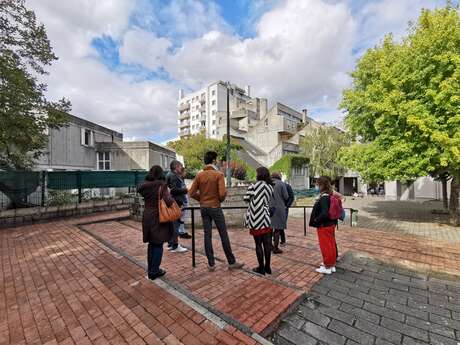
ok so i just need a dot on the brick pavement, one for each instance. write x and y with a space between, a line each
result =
62 273
61 286
369 302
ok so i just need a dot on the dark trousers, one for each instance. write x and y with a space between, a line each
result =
264 250
215 214
174 240
282 231
154 256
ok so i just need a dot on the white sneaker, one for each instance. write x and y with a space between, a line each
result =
323 270
179 249
333 270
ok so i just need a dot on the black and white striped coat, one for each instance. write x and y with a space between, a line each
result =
258 213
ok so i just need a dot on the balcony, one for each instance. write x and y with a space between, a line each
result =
284 125
184 124
185 106
242 113
203 100
184 115
184 132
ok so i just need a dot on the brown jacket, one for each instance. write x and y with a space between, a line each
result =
208 188
153 231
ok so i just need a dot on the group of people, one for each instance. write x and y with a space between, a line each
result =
268 199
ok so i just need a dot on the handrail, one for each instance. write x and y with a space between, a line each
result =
194 208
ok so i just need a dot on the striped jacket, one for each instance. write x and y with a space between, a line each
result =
258 214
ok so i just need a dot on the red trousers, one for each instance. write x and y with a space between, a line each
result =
326 238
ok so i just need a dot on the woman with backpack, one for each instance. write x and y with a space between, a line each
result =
326 211
258 218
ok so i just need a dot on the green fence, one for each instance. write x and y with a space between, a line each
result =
41 188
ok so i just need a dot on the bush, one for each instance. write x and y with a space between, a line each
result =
59 198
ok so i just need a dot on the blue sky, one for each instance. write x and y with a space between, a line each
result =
123 61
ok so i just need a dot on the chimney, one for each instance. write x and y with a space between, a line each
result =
181 93
247 90
305 116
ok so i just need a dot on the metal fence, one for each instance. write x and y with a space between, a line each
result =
52 188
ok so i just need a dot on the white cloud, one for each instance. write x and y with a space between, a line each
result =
144 48
300 54
143 109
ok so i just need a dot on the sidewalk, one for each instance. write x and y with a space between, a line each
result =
64 283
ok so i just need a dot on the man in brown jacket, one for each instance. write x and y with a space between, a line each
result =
209 190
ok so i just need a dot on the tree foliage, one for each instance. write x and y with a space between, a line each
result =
194 147
26 114
404 104
321 146
287 162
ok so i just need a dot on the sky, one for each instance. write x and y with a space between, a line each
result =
122 62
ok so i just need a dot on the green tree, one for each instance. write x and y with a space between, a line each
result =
404 105
25 112
321 146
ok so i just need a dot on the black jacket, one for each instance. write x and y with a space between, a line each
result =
177 187
320 214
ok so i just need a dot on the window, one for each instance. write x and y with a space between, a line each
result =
103 161
298 171
213 92
220 120
266 122
213 122
213 102
213 113
213 132
87 137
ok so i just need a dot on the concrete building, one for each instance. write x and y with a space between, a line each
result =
84 145
206 110
423 188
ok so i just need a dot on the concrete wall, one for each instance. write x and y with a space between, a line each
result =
65 148
423 188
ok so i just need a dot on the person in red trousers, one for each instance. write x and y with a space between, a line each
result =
325 226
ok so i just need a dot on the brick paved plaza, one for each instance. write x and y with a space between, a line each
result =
82 281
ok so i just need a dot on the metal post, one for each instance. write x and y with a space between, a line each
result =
228 172
193 237
305 221
351 217
43 188
79 186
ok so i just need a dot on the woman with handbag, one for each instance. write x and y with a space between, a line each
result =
258 218
159 213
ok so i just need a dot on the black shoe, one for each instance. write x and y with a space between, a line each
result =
277 251
268 270
186 236
259 270
160 273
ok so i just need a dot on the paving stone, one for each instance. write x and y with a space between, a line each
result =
351 333
421 314
347 299
323 334
295 321
367 298
293 336
412 332
383 311
440 320
360 313
327 300
351 342
429 308
337 314
408 295
409 341
455 315
431 326
436 339
306 313
382 342
379 332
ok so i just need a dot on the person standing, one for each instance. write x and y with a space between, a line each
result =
179 194
325 226
289 202
258 221
182 232
153 232
278 205
209 190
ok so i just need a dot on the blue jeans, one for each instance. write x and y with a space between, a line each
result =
174 240
215 214
154 256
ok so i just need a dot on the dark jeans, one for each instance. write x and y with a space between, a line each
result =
264 250
282 231
174 240
215 214
154 256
